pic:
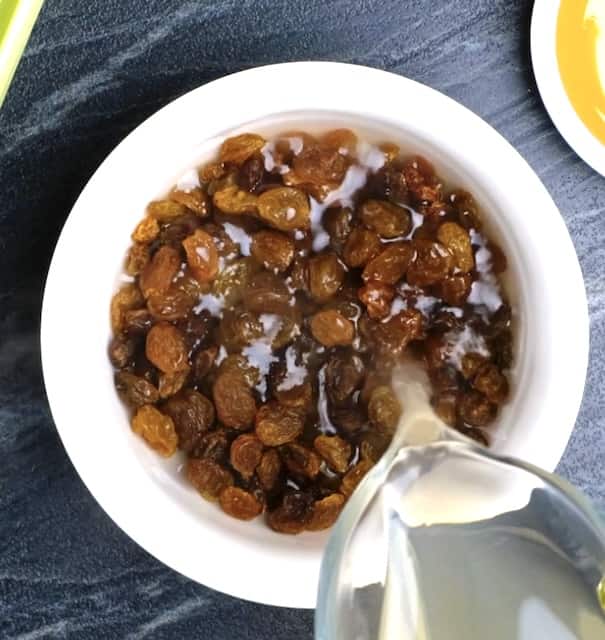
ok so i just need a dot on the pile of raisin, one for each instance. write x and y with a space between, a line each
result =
268 298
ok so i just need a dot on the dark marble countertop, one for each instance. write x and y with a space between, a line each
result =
93 71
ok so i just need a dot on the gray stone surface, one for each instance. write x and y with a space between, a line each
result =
94 70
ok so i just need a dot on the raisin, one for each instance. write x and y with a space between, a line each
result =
455 289
326 275
158 275
457 240
166 210
137 259
325 512
349 419
285 208
239 329
274 250
387 219
137 321
420 180
476 410
297 397
136 391
252 173
166 348
127 298
300 461
236 201
195 200
240 504
213 171
491 383
146 231
433 263
192 414
344 374
277 424
173 304
156 429
377 298
292 515
337 221
269 470
246 454
202 362
213 445
320 164
471 363
239 148
342 140
391 264
354 476
267 293
240 366
361 246
394 335
466 208
331 328
171 383
373 445
384 409
121 350
208 477
335 451
202 256
233 399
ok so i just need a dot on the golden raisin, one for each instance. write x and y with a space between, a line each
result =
361 246
127 298
384 409
476 410
165 347
173 304
325 512
377 298
236 201
457 240
335 451
192 414
195 200
208 477
246 454
269 470
135 390
165 210
158 275
171 383
285 208
233 399
387 219
326 275
240 504
274 250
146 231
239 148
332 329
455 289
202 255
433 263
343 140
292 515
300 460
390 265
137 259
319 165
277 425
156 429
491 383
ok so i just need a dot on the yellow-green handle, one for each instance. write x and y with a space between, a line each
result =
17 19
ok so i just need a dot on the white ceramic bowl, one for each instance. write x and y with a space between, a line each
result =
147 497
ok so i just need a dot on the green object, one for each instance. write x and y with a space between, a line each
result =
17 19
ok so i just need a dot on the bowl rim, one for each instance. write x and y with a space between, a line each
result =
293 79
543 45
